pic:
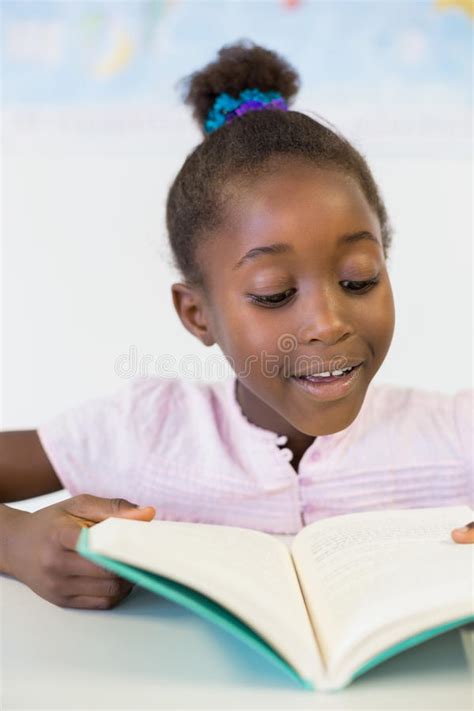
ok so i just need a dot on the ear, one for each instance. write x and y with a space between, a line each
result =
193 312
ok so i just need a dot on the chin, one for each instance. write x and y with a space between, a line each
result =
326 418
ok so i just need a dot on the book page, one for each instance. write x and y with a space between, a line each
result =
394 570
246 571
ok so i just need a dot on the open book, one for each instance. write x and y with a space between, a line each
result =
345 594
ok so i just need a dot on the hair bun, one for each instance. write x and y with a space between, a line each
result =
243 65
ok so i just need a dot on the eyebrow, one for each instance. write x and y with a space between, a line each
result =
285 248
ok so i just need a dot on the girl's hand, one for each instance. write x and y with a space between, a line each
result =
464 535
41 552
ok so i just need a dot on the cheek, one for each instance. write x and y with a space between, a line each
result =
249 350
247 335
380 321
242 328
237 337
386 307
250 345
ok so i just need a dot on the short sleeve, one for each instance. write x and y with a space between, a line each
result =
98 446
464 422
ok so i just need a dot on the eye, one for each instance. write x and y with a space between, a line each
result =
357 287
273 300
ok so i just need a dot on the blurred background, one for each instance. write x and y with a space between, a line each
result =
93 133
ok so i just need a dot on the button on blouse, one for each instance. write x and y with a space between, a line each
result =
287 453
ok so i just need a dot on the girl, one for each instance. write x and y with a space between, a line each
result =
281 237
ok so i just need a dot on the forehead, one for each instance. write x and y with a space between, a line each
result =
307 207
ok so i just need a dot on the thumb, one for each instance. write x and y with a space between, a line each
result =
464 534
96 508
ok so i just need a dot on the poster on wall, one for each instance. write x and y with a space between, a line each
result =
394 73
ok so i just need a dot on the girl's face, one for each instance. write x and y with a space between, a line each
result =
293 307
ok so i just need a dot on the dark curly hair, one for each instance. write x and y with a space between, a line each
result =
246 147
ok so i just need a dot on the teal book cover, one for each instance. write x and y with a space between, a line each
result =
192 600
208 609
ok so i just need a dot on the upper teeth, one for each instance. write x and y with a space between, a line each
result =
328 373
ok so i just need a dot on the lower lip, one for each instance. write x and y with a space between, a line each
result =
331 388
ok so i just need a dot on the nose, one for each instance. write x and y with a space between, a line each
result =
323 319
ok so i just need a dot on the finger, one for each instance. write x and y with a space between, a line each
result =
71 564
95 508
464 534
94 587
68 532
89 602
143 513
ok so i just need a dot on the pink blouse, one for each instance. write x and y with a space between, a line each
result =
186 448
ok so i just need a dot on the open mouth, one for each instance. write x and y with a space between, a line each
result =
330 385
329 377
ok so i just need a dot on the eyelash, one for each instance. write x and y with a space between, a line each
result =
264 300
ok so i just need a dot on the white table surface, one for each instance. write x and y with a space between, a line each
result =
149 653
